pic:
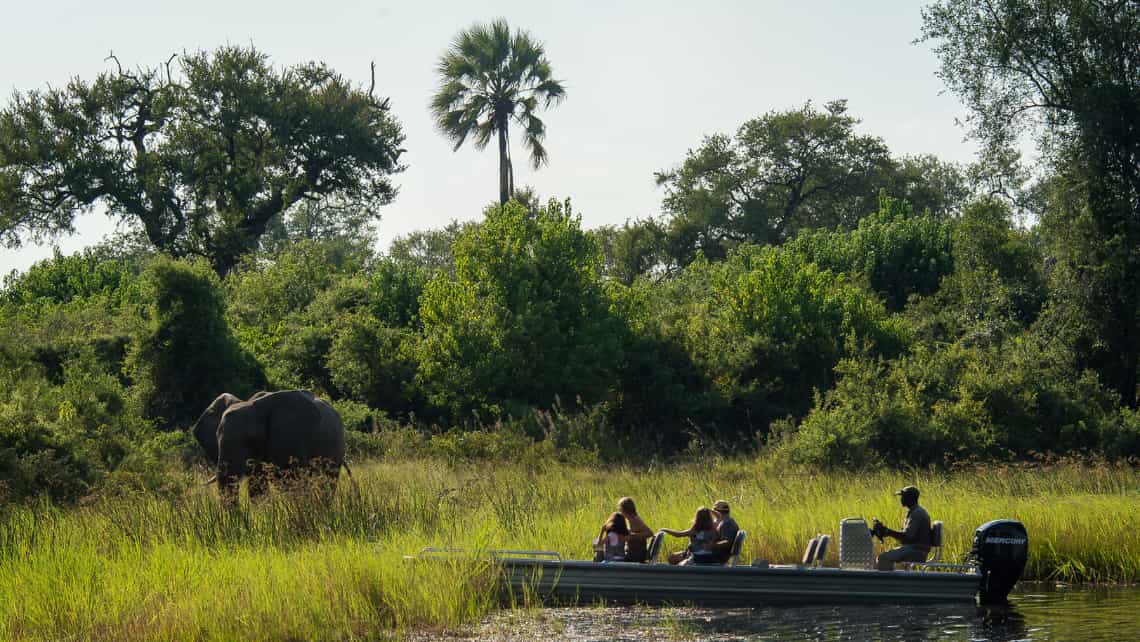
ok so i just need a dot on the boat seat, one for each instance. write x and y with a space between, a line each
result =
856 549
809 552
935 560
654 548
935 543
737 545
821 549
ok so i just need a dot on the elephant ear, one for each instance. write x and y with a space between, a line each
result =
206 428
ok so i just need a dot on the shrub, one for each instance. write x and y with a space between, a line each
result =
941 404
897 252
184 355
525 320
62 439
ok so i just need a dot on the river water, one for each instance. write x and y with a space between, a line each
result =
1036 612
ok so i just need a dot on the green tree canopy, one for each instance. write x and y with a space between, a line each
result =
488 78
201 154
524 320
1067 70
783 171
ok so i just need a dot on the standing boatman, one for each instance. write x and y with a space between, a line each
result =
914 537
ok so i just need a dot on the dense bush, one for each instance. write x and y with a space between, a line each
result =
765 328
898 252
946 403
184 354
61 279
525 320
62 439
909 340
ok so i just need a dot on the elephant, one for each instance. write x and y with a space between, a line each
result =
285 434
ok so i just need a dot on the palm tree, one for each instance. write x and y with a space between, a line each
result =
488 78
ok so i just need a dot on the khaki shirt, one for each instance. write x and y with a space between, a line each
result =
916 528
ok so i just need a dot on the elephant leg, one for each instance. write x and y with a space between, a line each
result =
258 483
228 489
326 479
316 478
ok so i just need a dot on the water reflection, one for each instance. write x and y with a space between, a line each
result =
1040 613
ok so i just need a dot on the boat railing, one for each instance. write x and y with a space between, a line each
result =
495 553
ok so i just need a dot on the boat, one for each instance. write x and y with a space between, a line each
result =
992 567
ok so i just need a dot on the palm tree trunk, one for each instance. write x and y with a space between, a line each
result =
505 178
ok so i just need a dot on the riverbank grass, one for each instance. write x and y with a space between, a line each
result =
292 567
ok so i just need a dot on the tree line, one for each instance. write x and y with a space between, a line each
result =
803 292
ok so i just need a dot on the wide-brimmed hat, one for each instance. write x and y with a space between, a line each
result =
720 506
908 491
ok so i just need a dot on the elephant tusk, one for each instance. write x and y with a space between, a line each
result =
210 480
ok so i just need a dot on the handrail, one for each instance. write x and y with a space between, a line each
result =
437 551
504 551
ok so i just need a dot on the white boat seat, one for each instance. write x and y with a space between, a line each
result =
654 548
809 552
737 545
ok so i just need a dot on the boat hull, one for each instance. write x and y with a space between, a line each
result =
587 582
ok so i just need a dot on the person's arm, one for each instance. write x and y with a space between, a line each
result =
684 533
724 541
638 528
884 531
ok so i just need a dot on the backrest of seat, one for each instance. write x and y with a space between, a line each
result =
809 552
936 534
654 549
821 550
856 550
737 546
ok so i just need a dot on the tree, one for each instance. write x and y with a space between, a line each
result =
429 250
1067 70
324 220
524 322
783 171
201 159
632 250
488 78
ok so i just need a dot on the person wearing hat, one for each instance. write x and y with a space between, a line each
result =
726 529
914 536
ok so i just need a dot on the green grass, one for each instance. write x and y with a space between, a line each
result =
149 568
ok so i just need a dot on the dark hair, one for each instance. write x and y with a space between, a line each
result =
703 520
616 524
626 505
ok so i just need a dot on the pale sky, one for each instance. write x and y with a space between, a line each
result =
645 82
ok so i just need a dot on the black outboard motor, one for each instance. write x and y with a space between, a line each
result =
1001 548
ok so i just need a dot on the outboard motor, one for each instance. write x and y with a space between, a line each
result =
1001 548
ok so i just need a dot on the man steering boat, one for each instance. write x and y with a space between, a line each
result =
914 536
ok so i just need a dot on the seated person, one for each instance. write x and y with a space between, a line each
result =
726 530
636 549
914 537
702 535
610 543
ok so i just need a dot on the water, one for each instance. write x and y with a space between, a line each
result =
1035 613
